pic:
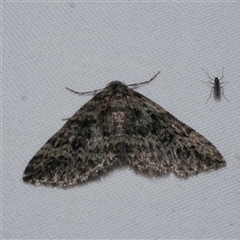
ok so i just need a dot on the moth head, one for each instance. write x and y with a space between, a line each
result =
115 83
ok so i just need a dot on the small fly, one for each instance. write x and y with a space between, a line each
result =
216 89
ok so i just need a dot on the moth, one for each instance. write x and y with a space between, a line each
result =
120 126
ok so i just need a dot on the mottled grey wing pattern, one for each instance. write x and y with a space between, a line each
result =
79 150
160 143
120 126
